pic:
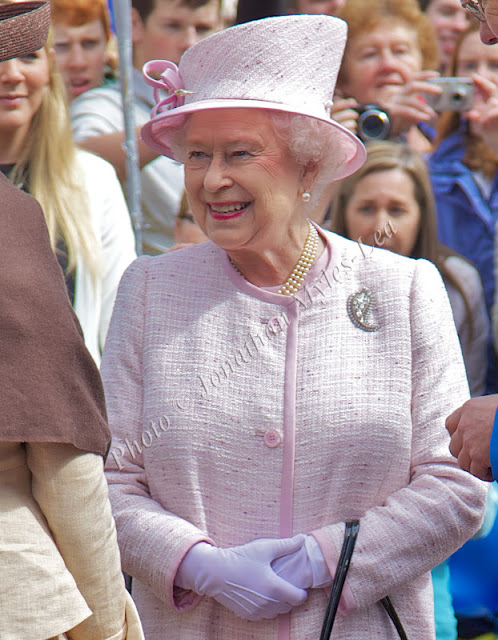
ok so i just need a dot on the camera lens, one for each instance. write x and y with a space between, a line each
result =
373 123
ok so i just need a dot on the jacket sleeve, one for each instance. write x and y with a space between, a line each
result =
441 506
152 558
71 489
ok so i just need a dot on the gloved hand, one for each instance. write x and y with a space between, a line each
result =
305 568
241 578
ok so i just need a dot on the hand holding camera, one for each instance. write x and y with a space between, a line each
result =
457 94
407 107
483 115
368 122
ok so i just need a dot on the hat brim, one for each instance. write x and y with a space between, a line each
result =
23 28
158 131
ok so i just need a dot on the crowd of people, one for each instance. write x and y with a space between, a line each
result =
319 206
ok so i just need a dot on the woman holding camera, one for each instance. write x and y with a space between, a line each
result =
463 172
389 57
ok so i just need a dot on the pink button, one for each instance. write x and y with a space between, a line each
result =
272 438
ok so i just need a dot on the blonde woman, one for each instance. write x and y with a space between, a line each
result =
85 211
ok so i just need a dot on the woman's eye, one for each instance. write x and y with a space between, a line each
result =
29 57
396 211
195 155
367 54
401 51
470 66
240 154
367 209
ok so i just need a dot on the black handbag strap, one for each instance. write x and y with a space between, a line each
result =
350 536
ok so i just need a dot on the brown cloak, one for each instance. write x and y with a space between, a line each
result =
50 388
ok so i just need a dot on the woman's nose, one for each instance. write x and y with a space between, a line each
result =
216 176
388 59
382 219
487 36
10 71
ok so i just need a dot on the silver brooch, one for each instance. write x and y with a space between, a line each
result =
360 306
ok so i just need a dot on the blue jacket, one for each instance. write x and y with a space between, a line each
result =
466 220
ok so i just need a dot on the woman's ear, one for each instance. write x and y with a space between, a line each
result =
310 172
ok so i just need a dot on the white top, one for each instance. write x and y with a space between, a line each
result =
93 301
100 111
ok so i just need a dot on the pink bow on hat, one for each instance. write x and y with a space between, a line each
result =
170 80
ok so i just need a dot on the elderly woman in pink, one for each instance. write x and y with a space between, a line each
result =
270 384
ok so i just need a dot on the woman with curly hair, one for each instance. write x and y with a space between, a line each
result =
390 56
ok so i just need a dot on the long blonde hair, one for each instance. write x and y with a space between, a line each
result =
48 165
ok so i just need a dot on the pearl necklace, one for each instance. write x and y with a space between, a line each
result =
295 281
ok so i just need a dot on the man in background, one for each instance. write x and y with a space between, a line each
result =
161 29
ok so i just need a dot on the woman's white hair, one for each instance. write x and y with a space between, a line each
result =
309 140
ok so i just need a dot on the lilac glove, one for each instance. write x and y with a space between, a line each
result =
241 578
305 568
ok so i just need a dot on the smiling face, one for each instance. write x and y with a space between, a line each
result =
170 29
449 20
380 61
384 201
81 56
243 184
22 85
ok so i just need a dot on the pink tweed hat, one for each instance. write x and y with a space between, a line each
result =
287 64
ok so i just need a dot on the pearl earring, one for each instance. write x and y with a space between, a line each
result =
306 196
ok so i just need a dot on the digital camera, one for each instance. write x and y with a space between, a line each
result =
373 122
457 94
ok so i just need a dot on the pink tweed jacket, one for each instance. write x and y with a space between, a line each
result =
238 413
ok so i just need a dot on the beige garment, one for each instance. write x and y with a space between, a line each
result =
59 559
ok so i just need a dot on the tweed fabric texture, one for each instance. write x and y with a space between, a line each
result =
287 63
200 368
23 28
